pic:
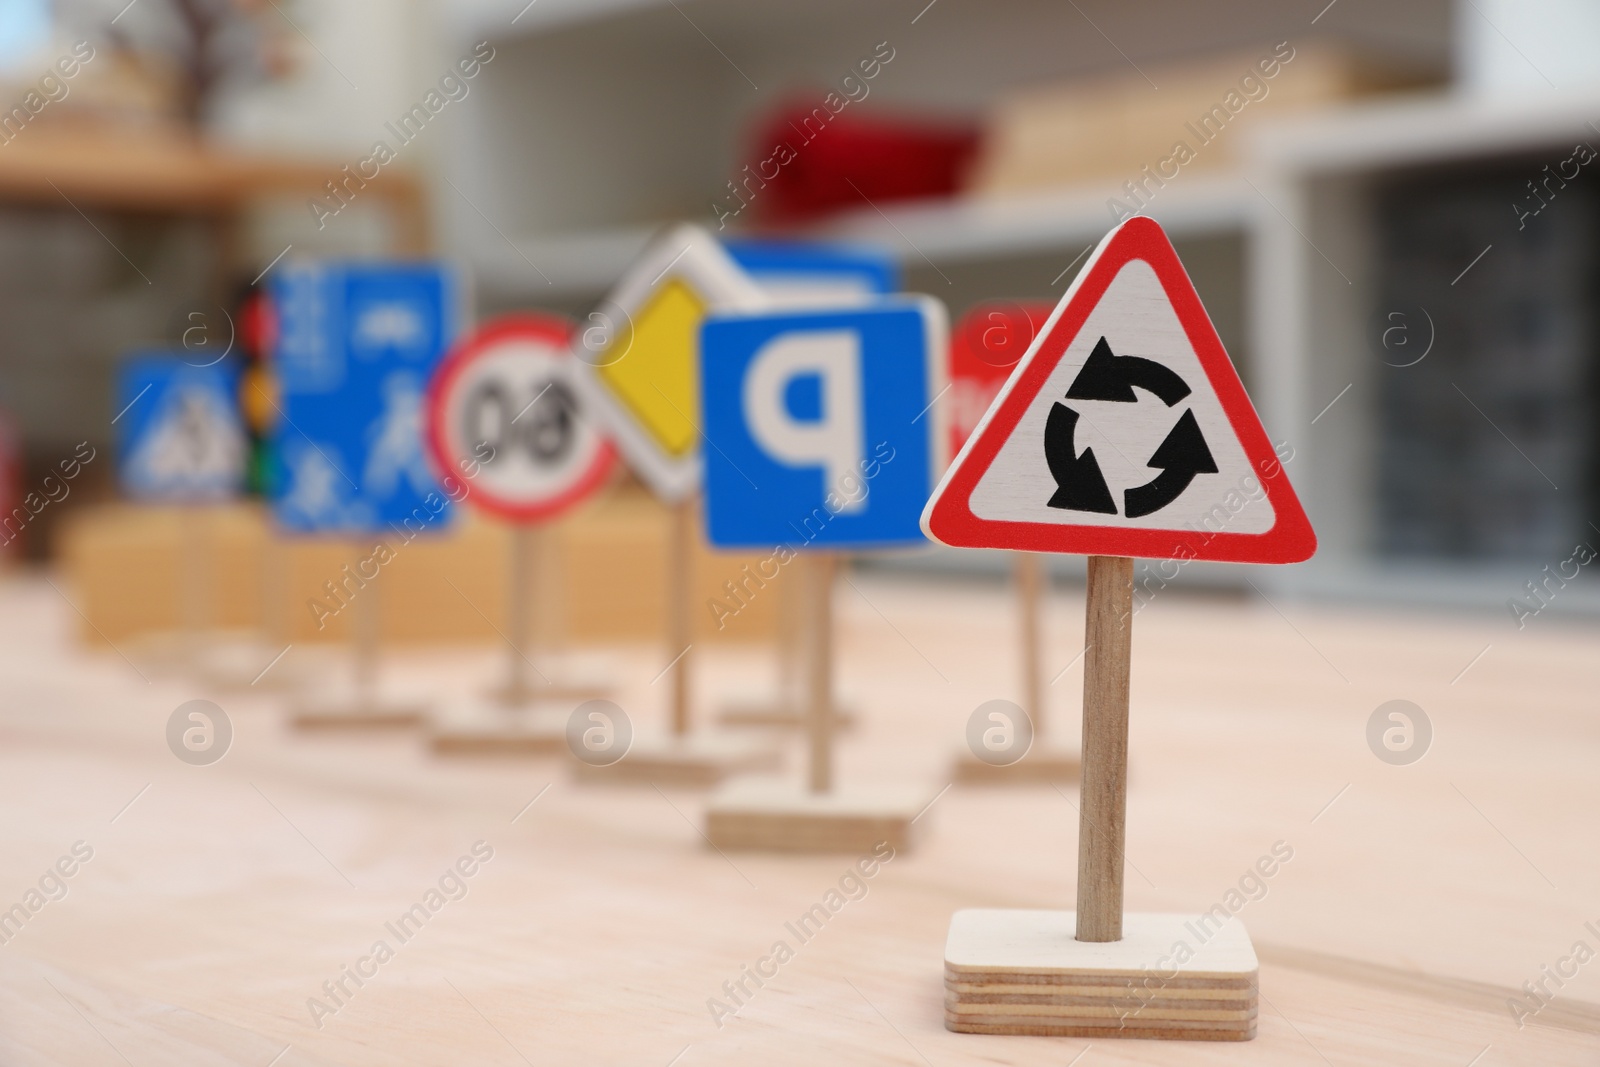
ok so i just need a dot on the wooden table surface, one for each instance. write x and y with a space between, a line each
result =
219 899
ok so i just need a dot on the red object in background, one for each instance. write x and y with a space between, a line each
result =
886 159
984 349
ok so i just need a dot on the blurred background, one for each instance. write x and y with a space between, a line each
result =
1389 210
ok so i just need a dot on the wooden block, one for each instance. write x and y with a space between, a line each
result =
780 815
1171 976
343 708
1038 767
695 761
487 729
777 714
241 660
560 678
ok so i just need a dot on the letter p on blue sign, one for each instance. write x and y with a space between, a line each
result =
821 425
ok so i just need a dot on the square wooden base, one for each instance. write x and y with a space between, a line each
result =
346 709
696 761
1172 977
564 678
780 815
1038 767
777 714
241 661
488 729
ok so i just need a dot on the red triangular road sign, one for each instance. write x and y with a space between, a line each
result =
1124 431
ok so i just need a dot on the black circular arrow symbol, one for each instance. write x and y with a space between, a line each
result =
1183 454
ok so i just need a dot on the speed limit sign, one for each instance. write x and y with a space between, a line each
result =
505 415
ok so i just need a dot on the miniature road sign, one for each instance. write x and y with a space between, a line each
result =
640 361
1128 366
1124 431
355 346
504 414
815 273
824 422
985 346
803 274
182 442
182 436
831 413
507 422
641 353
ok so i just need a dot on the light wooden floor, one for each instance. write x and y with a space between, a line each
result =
1417 902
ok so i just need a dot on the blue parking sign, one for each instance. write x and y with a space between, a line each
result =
821 423
357 344
180 435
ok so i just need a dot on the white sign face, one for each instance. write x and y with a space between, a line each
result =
1138 440
508 418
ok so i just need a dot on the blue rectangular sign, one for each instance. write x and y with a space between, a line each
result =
820 424
180 435
356 346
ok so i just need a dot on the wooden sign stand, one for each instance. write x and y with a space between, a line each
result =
786 709
816 816
1087 973
366 704
1043 762
240 661
522 717
683 757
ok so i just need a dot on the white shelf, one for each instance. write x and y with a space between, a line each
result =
586 264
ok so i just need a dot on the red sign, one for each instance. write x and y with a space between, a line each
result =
986 344
1124 431
506 419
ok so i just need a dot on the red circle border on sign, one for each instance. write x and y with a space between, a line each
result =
519 326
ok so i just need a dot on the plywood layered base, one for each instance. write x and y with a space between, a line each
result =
776 713
780 815
1172 977
241 661
488 729
1039 766
561 677
342 707
696 761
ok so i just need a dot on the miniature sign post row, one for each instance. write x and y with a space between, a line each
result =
357 345
1128 377
507 422
827 440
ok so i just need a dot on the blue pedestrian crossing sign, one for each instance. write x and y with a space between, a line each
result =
180 434
357 343
822 427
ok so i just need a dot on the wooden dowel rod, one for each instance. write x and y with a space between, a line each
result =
368 622
1102 808
1030 580
819 669
519 610
679 561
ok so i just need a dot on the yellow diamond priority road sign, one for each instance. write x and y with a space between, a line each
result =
641 351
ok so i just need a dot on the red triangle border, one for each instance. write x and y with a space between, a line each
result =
948 517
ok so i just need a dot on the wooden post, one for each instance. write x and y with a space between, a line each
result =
367 623
1102 811
679 636
195 564
818 640
519 609
1030 578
